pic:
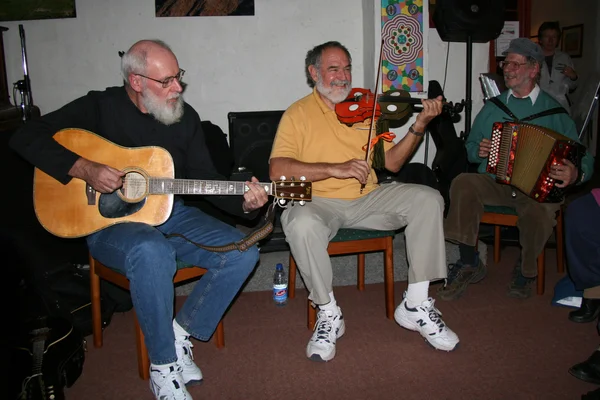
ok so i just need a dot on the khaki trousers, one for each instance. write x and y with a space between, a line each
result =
468 194
309 228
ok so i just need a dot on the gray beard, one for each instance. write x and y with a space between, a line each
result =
162 111
328 93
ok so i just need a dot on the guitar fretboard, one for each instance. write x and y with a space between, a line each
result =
194 186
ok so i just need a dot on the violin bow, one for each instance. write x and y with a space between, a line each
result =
368 154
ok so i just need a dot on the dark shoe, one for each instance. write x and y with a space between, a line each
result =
588 311
459 277
589 370
520 287
593 395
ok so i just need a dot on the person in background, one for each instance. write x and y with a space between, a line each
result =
557 73
148 110
471 191
312 142
582 245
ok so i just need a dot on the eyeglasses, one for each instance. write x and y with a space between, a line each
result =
167 81
511 64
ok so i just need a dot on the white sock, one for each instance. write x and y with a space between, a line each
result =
417 293
179 331
331 306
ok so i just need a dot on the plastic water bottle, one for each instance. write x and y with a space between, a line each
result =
280 286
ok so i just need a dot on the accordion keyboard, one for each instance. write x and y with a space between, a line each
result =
500 150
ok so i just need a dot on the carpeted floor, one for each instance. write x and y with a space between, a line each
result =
510 349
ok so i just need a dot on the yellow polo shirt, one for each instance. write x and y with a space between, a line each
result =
310 132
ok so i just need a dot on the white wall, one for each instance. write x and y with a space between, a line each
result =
244 63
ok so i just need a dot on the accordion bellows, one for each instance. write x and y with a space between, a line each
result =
521 156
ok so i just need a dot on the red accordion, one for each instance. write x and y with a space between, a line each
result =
522 154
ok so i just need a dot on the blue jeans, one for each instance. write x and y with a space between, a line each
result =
149 260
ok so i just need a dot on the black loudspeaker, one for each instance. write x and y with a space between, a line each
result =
251 135
482 20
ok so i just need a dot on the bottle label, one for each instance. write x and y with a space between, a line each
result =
280 293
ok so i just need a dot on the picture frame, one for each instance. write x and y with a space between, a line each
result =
571 41
203 8
34 10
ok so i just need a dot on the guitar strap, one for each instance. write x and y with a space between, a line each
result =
245 243
504 107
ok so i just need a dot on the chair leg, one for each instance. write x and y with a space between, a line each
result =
220 335
541 277
96 304
292 278
560 243
388 275
360 278
142 352
312 316
497 244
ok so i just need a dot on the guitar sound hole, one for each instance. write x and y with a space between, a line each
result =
135 186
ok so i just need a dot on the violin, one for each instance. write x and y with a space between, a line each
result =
393 105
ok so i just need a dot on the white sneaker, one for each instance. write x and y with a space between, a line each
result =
185 359
330 326
167 383
427 320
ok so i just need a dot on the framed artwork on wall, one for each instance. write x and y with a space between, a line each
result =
203 8
571 41
19 10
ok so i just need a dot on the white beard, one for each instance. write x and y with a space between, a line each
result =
330 93
166 113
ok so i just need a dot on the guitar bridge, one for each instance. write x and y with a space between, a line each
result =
90 192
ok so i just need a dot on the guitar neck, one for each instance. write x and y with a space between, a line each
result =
202 187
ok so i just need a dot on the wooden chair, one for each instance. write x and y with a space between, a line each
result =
507 216
356 241
98 270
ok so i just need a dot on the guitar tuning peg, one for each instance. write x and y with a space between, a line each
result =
302 202
282 178
293 179
282 202
302 178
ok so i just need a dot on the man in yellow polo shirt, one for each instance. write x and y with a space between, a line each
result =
311 142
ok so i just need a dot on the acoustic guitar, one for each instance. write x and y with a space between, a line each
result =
76 209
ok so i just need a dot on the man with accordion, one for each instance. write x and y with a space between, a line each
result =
527 150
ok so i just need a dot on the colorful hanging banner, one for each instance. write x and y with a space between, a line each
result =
403 43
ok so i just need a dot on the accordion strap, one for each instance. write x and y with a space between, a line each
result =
504 107
552 111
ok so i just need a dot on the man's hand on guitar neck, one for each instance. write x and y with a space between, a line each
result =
255 197
102 178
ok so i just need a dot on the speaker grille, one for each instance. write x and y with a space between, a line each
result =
455 20
251 136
